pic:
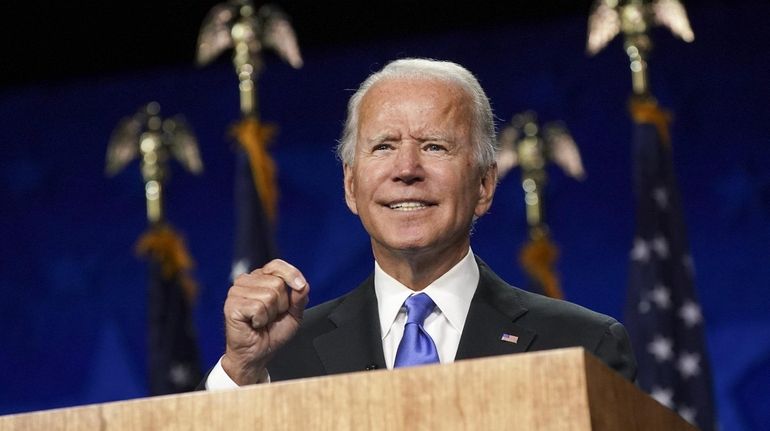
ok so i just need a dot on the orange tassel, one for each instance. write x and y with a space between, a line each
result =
254 138
537 258
647 111
166 247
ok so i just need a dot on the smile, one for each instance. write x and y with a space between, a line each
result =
408 206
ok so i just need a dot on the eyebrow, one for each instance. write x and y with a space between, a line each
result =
435 137
382 137
389 136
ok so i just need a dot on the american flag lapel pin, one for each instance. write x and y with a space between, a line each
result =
508 338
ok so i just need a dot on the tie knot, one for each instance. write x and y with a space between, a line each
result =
418 307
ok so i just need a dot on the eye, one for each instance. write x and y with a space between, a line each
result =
382 147
433 147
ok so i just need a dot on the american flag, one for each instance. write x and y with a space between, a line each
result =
510 338
663 315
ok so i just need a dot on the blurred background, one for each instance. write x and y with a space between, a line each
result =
75 296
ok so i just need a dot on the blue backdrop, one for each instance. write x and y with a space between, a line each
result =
74 297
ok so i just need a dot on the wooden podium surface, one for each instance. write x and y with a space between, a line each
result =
566 389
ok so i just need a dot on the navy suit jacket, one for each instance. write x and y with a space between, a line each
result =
343 335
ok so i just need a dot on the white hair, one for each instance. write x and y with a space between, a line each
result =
483 126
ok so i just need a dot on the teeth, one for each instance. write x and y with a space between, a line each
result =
407 206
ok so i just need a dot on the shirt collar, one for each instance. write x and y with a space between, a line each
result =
452 293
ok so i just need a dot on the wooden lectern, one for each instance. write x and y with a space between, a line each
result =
566 389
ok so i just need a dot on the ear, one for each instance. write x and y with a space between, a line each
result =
486 190
350 187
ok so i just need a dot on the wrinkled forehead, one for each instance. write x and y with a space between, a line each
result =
426 101
422 109
390 88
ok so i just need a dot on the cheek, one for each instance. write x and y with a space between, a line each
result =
465 184
363 186
365 190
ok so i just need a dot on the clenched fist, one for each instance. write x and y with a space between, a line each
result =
263 311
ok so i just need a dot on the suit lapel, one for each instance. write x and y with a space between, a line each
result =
355 344
494 309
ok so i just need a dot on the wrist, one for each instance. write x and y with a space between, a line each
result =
244 373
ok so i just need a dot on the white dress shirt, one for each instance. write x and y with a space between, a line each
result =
452 294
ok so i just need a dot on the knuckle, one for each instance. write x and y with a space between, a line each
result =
272 296
233 306
260 308
232 292
273 283
231 303
261 315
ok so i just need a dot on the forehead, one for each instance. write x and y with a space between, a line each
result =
395 89
419 93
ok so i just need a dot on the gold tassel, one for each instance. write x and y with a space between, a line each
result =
163 245
254 138
537 258
647 111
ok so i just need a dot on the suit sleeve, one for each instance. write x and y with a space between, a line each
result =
614 349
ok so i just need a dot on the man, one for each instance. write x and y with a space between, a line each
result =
418 157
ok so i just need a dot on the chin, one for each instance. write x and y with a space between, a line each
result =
407 246
404 244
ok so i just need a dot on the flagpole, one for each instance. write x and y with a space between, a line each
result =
173 360
237 25
663 315
525 143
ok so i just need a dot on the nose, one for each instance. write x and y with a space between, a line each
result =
408 165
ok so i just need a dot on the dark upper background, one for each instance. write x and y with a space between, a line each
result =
60 40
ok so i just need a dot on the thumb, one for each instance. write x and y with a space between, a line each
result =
298 299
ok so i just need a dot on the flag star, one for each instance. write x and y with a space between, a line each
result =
641 250
644 306
662 348
664 396
661 296
179 374
660 195
660 245
690 313
689 264
688 414
239 267
688 364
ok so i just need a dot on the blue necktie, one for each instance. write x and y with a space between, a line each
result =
416 348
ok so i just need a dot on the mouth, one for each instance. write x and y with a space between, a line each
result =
406 206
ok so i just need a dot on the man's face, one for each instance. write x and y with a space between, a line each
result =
414 182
